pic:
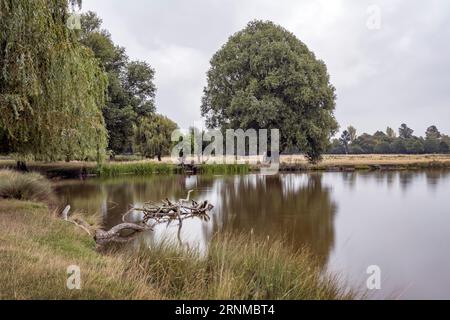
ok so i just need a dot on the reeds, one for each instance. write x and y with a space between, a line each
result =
238 267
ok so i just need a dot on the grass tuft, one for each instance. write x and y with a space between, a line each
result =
24 186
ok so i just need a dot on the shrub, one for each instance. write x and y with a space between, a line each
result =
24 186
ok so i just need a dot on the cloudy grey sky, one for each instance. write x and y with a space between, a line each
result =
399 72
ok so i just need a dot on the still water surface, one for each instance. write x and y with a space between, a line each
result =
399 221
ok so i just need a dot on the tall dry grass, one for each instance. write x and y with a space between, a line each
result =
238 267
36 248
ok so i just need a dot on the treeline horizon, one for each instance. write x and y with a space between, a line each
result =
402 141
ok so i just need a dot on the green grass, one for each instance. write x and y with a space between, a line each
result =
24 186
224 169
134 168
151 168
36 248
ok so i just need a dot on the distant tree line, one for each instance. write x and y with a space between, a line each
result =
389 142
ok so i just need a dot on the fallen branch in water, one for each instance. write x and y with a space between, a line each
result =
167 211
153 214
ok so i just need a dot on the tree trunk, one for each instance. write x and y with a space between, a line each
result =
159 157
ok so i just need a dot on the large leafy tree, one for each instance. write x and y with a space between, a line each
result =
131 91
153 136
264 77
51 87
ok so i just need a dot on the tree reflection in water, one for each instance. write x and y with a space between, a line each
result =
297 208
294 207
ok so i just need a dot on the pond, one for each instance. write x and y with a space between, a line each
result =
396 220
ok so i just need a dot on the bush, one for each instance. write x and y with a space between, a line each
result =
24 186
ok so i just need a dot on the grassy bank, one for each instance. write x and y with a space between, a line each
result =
36 248
114 169
59 169
288 163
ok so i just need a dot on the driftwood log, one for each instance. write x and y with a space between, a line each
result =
116 233
153 213
79 223
167 211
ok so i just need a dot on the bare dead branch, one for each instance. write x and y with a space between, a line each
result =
153 213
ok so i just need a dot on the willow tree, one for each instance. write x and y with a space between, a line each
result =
153 135
51 87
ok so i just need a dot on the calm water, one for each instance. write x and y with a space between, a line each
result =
399 221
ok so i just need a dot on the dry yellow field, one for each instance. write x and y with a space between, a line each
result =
369 159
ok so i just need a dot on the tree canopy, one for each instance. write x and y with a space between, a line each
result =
51 87
264 77
131 91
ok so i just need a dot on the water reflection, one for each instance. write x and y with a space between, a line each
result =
297 208
396 219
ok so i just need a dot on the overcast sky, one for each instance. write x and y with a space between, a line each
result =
386 71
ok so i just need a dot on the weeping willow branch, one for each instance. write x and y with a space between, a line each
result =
52 88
